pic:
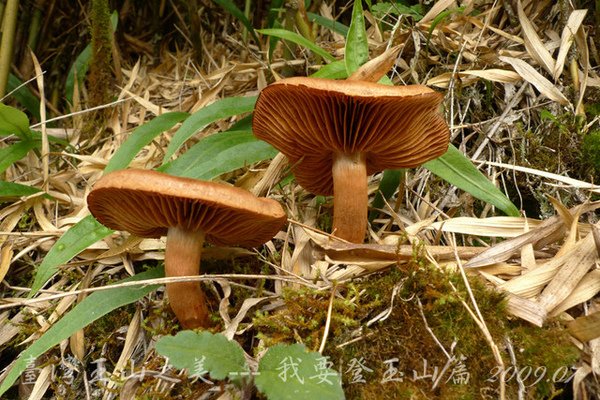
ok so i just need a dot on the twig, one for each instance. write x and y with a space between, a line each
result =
146 282
328 321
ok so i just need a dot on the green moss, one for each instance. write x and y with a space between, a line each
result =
400 354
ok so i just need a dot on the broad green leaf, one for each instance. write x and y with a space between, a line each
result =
87 311
459 171
334 70
357 46
13 122
15 190
328 23
15 152
230 7
200 119
298 39
220 153
387 187
289 372
140 137
24 96
204 352
72 242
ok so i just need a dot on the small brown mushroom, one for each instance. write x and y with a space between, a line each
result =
151 204
336 133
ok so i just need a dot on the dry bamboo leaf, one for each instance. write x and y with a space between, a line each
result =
569 182
376 68
507 227
581 258
534 45
584 58
146 104
474 75
542 84
128 346
568 36
437 8
42 383
526 309
527 253
501 269
585 328
351 252
6 254
588 287
233 324
547 232
582 372
271 175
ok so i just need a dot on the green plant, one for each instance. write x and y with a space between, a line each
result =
283 372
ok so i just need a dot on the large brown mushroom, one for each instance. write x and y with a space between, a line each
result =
151 204
336 133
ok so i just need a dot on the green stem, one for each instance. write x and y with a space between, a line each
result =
9 25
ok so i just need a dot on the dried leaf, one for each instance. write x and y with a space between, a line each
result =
534 45
567 38
585 328
542 84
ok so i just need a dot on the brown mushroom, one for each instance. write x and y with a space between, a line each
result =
151 204
335 133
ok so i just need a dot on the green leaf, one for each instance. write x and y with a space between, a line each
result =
24 96
13 122
328 23
298 39
10 190
200 119
458 170
230 7
77 72
15 152
140 137
220 153
357 46
334 70
87 311
72 242
204 352
289 372
387 187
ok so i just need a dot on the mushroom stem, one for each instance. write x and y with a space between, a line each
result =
182 258
350 197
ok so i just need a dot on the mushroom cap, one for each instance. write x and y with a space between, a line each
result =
311 119
147 203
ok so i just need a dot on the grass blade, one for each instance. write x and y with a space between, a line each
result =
220 153
24 96
72 242
15 152
141 137
90 309
200 119
357 47
333 70
298 39
328 23
13 122
387 187
10 190
456 169
230 7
